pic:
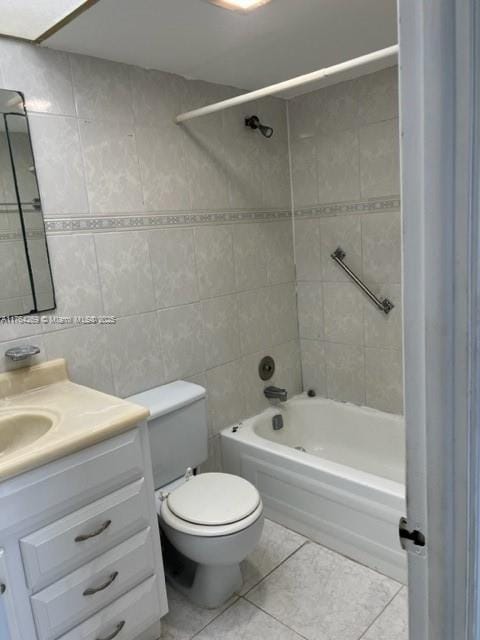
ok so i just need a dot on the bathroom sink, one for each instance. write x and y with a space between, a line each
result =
19 429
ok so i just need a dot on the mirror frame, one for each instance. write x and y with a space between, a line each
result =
23 225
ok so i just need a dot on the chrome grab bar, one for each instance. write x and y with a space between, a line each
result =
384 305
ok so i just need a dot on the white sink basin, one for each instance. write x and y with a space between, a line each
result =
20 429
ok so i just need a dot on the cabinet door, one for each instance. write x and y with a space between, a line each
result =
8 625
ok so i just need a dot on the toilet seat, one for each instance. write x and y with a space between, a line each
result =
214 499
207 531
212 504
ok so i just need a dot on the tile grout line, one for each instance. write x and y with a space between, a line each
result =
309 541
330 550
242 597
219 615
267 575
305 637
381 612
300 635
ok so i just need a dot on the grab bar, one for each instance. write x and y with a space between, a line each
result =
384 305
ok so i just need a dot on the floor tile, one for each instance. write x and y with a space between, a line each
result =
393 623
324 596
243 621
185 619
275 545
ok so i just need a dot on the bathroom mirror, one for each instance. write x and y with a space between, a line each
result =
26 283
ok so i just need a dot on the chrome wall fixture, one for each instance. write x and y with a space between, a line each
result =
22 352
253 122
384 305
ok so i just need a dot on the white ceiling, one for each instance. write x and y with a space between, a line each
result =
27 19
197 40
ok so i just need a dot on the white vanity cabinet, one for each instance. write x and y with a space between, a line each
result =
80 555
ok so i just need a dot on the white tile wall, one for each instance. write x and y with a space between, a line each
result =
111 167
43 76
338 170
105 145
182 340
163 167
207 301
172 255
136 352
102 89
77 281
221 330
215 263
379 159
125 272
345 150
59 164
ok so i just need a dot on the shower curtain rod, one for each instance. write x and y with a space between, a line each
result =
289 84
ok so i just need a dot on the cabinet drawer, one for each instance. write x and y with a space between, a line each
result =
127 617
50 492
95 585
84 534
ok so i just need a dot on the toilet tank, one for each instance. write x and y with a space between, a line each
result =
177 428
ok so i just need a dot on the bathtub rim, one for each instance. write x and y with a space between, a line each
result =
245 433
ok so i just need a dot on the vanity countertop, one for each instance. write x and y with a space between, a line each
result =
81 416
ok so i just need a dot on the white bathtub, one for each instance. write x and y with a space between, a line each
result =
347 491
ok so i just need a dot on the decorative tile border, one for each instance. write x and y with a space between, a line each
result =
123 222
379 205
154 221
14 236
10 236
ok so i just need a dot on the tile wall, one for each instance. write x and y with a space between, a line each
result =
345 164
182 233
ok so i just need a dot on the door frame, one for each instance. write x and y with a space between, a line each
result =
439 52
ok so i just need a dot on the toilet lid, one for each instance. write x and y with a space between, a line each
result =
214 499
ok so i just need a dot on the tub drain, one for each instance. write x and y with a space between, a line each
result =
299 448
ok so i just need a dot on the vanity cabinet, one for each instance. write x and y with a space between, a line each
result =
8 625
80 555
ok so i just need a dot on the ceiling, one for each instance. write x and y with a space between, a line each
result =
197 40
28 20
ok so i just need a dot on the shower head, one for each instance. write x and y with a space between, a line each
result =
254 123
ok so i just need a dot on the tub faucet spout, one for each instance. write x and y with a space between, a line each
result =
277 422
274 393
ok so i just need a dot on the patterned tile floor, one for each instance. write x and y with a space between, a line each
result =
295 589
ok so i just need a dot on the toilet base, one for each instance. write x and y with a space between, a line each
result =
212 586
208 586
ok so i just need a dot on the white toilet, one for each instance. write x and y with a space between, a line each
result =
211 521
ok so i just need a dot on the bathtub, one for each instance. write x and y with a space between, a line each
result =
334 473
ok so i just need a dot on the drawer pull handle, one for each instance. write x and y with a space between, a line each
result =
93 590
96 533
113 635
